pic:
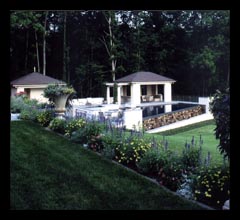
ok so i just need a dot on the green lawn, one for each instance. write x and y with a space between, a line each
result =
49 172
179 136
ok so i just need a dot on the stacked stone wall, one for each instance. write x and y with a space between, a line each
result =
169 118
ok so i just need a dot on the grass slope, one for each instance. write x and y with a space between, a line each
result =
49 172
178 137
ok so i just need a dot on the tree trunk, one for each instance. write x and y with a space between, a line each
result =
37 53
44 44
68 72
110 48
26 53
113 59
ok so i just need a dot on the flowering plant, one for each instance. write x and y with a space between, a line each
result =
211 186
131 150
74 125
54 90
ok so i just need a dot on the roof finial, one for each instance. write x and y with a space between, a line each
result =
34 69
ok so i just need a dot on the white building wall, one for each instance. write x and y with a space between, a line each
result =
133 118
38 94
167 108
205 101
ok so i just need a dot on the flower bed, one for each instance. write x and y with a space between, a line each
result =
187 173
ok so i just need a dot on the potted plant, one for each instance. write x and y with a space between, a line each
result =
59 94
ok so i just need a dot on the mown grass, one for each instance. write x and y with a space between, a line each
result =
50 172
178 137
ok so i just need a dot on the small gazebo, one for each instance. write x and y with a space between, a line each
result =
142 87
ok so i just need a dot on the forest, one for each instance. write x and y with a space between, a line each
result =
88 48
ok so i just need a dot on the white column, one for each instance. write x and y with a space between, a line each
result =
108 95
119 95
135 94
167 92
156 89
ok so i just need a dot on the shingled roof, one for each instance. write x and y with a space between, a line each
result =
36 79
144 77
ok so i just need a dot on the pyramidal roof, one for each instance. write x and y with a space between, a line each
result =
36 79
144 77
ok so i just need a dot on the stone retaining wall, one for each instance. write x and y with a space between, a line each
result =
169 118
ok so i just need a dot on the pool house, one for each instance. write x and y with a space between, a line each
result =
141 87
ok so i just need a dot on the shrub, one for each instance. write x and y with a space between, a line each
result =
31 102
110 144
74 125
163 165
191 157
211 185
58 125
22 102
220 107
108 152
153 160
17 104
44 118
90 135
29 113
131 150
171 175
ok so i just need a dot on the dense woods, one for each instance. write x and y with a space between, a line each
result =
88 48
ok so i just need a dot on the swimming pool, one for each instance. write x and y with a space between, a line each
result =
150 111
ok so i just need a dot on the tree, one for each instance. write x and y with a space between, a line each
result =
28 21
44 43
191 47
111 46
66 74
220 107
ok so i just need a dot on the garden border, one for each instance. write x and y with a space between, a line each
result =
139 174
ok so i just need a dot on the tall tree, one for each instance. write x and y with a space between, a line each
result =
64 47
111 46
29 21
37 52
44 43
